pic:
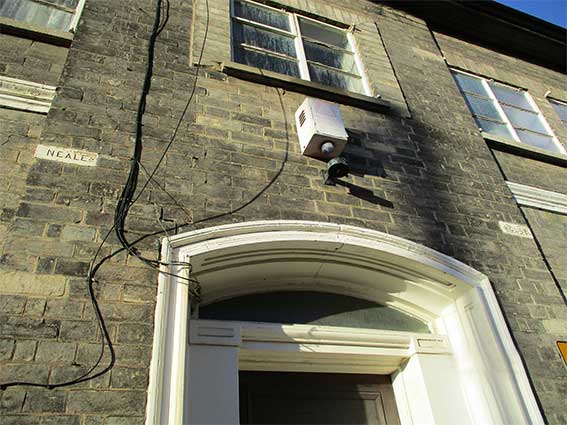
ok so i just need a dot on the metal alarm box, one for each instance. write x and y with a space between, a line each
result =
320 129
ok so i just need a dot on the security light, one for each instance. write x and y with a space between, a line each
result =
336 168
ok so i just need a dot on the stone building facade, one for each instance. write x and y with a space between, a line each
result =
420 170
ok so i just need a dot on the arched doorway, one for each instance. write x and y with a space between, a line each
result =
465 371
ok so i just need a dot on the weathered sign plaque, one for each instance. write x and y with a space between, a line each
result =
515 229
67 155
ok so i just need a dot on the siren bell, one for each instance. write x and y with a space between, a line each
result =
320 128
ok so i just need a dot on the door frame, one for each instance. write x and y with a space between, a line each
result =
218 350
481 379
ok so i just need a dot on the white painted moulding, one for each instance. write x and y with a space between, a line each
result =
535 197
481 372
216 332
25 95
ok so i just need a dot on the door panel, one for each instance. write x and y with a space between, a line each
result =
316 398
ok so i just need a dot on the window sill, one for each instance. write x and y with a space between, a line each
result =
524 150
35 32
308 88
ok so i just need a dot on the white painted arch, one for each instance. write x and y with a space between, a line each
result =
478 377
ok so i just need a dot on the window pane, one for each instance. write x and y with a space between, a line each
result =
8 8
324 33
262 15
523 119
561 110
336 79
335 58
538 140
511 96
470 84
483 107
264 39
264 61
318 308
67 3
494 128
35 13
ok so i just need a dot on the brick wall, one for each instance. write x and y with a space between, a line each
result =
19 133
31 60
540 319
532 172
429 178
53 225
548 228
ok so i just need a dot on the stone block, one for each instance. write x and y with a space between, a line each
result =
35 307
77 233
556 327
75 330
45 265
27 327
134 293
64 308
25 350
56 352
129 378
27 228
135 333
124 312
6 349
61 420
45 401
107 402
71 267
36 373
251 119
20 420
124 420
32 284
12 400
12 304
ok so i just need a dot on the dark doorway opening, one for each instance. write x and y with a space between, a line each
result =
316 398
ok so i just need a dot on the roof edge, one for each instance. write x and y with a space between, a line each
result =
493 25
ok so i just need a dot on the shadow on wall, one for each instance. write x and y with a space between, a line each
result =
364 194
363 162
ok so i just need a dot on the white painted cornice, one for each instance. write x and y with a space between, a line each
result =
530 196
210 239
360 350
25 95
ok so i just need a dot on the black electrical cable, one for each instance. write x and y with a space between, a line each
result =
152 263
235 210
164 190
125 200
158 27
216 216
185 109
129 190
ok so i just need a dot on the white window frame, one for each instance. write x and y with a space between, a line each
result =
560 103
467 371
505 120
76 13
77 16
295 32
